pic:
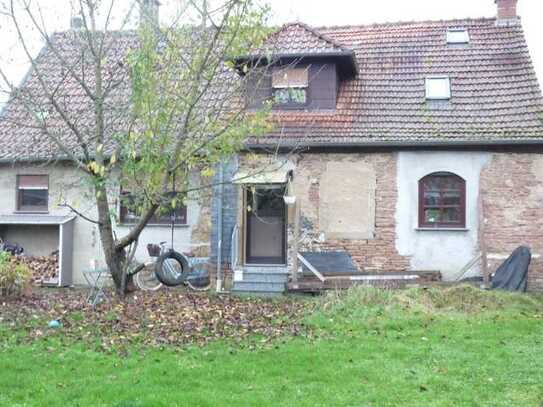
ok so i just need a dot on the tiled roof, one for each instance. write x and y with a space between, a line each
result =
300 39
495 94
21 136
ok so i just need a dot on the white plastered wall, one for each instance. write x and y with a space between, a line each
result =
66 185
445 250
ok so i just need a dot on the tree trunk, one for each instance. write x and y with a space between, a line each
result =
115 250
113 257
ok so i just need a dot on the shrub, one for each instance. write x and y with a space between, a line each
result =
14 277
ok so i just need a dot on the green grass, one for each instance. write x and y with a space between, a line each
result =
449 347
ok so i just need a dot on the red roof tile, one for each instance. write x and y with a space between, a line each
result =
495 94
300 39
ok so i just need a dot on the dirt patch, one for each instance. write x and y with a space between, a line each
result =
166 317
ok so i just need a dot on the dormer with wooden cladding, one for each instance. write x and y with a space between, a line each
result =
297 68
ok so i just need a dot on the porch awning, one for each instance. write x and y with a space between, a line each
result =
273 173
34 219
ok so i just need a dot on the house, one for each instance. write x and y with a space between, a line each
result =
412 147
409 148
47 203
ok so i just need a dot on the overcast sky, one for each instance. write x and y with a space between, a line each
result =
57 15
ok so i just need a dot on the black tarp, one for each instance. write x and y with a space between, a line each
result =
512 275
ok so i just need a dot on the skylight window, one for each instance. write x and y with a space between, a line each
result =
457 36
438 88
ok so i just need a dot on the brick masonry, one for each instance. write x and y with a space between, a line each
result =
377 254
512 191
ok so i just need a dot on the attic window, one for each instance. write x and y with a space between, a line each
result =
290 86
457 36
438 88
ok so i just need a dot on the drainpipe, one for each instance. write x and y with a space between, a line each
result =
219 226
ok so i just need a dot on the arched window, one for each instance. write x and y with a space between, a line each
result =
442 201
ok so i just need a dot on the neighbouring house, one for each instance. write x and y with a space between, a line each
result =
32 215
413 149
45 198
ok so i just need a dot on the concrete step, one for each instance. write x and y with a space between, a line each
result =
262 279
245 286
257 277
265 269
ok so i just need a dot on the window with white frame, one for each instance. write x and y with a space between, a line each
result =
438 88
457 36
32 193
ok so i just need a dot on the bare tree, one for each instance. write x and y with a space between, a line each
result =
141 109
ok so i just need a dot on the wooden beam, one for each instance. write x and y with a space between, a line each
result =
482 243
296 242
468 267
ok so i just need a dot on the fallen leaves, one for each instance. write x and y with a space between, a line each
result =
166 317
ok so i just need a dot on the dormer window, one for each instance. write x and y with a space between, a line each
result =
457 36
438 88
290 86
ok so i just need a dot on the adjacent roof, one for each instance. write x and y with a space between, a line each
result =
496 98
21 136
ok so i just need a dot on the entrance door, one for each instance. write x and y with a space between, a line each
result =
265 224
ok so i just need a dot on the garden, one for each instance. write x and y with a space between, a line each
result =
438 346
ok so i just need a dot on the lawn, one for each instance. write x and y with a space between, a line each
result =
442 347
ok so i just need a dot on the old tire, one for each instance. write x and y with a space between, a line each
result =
172 268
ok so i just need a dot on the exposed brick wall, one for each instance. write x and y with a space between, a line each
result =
227 275
377 254
201 232
511 187
512 191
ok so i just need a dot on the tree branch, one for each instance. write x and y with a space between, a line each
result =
81 215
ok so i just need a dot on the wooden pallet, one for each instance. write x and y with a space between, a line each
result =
313 284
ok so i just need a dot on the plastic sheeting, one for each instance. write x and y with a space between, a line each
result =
512 275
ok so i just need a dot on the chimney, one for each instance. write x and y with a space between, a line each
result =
507 10
149 12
